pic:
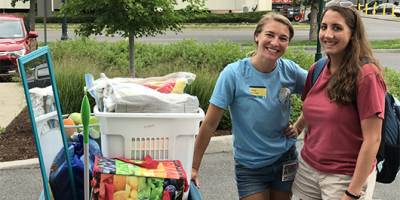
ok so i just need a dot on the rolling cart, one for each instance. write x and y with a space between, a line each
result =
131 135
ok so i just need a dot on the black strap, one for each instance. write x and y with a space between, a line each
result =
397 112
353 196
318 67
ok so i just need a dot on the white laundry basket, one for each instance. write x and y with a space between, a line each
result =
164 136
49 135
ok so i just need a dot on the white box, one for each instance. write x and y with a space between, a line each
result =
164 136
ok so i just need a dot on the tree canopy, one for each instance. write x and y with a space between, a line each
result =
130 17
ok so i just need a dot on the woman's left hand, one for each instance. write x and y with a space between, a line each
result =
292 131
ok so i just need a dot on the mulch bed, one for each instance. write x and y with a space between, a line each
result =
17 142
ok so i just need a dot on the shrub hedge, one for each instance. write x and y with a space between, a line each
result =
74 58
70 19
200 17
246 17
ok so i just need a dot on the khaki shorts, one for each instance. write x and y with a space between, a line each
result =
310 184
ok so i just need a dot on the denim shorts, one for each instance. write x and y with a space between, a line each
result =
250 181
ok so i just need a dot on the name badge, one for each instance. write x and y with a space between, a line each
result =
259 91
289 170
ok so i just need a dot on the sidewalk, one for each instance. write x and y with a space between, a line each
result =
12 101
220 144
217 177
380 17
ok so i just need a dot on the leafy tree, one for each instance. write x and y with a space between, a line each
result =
32 11
130 18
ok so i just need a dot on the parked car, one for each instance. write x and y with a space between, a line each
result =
39 76
293 13
370 4
379 9
15 41
397 11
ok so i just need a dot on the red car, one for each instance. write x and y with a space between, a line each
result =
15 41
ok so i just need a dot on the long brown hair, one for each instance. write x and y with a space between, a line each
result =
342 88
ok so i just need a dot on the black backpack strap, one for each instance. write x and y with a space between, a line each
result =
389 107
318 67
397 112
380 155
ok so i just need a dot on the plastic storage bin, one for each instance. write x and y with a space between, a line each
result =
164 136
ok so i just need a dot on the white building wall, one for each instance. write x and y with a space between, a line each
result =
220 4
232 5
52 4
239 4
56 4
264 5
180 4
213 5
6 4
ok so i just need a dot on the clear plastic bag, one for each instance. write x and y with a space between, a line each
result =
146 95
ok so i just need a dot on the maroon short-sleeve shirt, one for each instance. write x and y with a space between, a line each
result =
334 135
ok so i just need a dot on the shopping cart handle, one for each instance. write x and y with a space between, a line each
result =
194 193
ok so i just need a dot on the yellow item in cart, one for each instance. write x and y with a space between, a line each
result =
179 87
176 86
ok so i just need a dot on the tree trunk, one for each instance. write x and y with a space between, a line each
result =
132 55
33 44
313 20
32 14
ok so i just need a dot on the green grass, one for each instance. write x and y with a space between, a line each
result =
2 130
386 44
72 59
375 44
53 26
392 80
297 26
303 43
293 43
300 44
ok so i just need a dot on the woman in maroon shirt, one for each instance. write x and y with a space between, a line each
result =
342 113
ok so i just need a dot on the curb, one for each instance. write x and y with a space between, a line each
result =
386 50
220 144
19 164
217 145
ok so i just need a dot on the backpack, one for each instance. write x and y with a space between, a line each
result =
388 156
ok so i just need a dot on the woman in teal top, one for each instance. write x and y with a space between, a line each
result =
257 90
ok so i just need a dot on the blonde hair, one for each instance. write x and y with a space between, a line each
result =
268 17
275 17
